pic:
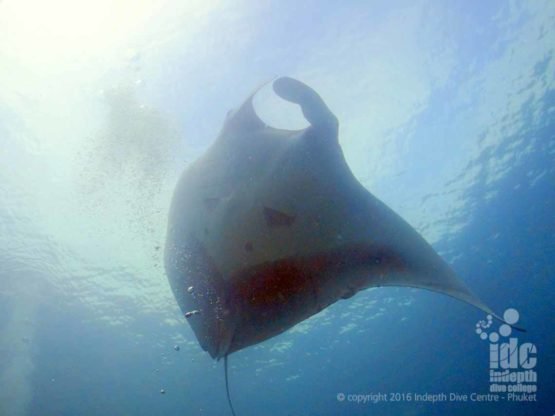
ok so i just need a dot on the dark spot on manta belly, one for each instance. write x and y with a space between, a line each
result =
275 295
275 218
248 246
275 283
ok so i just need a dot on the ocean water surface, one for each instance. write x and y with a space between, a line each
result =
447 114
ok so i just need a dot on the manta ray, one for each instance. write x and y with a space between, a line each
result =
270 226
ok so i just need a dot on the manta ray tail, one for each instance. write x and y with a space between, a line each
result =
227 387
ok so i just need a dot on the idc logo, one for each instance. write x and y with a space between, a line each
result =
512 363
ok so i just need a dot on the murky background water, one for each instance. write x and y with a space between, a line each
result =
447 115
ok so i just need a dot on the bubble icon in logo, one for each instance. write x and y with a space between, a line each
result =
511 317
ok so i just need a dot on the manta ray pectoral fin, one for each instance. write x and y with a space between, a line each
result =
406 259
445 282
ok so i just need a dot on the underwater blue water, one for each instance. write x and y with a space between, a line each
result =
447 115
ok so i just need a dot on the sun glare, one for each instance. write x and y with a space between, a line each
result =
35 31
